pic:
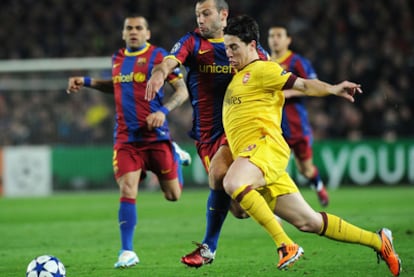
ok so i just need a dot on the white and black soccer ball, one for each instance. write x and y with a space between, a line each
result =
45 266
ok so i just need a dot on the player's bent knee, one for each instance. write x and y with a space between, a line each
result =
239 214
171 189
237 211
171 196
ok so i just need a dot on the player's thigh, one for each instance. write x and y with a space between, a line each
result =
126 158
128 183
243 172
207 151
219 165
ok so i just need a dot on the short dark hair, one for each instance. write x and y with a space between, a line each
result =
220 4
134 15
282 25
243 27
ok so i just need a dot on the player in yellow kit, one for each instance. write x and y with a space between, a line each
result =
257 178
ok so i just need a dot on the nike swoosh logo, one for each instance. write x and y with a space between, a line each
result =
165 171
201 52
115 65
213 209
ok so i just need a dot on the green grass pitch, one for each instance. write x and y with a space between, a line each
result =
81 229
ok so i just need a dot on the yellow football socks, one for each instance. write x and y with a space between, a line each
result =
255 205
338 229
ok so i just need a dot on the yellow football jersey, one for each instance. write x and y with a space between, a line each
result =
253 105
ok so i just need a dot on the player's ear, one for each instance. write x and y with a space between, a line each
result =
148 35
224 14
253 43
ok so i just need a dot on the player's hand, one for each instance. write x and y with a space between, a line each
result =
347 90
153 85
155 120
74 84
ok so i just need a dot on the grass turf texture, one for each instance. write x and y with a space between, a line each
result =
81 230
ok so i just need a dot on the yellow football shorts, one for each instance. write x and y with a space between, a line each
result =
272 159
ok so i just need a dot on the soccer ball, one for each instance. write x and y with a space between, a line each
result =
45 266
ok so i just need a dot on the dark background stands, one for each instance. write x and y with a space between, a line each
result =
370 42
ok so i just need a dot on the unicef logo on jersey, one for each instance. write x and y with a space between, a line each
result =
215 68
138 77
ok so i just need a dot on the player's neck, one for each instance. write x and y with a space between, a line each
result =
136 49
218 35
278 54
250 59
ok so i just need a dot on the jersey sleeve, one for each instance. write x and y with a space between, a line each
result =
275 77
175 74
182 49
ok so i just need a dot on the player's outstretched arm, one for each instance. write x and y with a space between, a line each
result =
76 83
158 75
314 87
180 95
290 93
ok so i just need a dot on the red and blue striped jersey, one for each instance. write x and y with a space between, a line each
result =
208 74
130 73
295 121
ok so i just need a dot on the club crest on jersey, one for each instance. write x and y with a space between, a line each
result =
141 61
249 148
246 77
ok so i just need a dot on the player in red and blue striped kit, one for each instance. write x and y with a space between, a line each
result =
203 54
141 138
295 124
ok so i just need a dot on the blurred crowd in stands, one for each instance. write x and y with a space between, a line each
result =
370 42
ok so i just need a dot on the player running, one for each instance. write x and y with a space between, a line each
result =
142 139
203 54
257 178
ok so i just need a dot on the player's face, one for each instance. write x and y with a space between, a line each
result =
278 39
238 52
209 20
135 32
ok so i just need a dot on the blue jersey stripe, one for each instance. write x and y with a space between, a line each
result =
128 103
